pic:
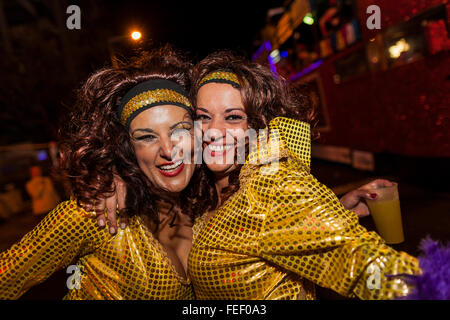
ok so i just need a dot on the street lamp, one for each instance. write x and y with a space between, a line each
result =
135 35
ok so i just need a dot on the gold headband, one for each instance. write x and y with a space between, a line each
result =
152 98
220 76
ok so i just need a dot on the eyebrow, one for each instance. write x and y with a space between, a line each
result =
177 124
148 130
226 110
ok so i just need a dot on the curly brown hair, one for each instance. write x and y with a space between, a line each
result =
95 145
265 96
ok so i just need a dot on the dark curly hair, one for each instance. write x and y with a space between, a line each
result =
95 145
265 96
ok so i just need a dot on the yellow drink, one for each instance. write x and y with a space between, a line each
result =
388 220
385 211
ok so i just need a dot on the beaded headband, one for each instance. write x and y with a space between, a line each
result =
222 76
149 94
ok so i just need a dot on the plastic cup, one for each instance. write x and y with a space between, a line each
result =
385 211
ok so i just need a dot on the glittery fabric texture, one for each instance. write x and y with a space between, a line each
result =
129 265
282 233
151 97
219 76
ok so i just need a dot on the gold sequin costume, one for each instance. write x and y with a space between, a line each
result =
281 233
129 265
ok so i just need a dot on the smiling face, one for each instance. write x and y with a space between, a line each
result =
224 121
162 138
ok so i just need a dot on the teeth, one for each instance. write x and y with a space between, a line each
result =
172 166
220 148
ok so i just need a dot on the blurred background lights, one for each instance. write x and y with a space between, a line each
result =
275 56
308 19
42 155
397 49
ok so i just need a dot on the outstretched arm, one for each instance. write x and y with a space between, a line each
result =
53 244
308 232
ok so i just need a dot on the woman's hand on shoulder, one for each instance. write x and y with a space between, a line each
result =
110 205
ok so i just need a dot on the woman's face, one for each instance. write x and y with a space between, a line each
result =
162 137
224 121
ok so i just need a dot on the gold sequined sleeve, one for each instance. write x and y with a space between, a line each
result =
308 232
53 244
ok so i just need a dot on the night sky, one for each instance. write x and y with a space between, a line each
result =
49 62
199 27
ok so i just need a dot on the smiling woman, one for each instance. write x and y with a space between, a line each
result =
277 232
134 122
153 134
213 115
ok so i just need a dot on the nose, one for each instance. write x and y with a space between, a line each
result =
217 128
166 148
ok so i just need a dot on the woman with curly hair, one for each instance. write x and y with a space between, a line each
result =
135 122
275 232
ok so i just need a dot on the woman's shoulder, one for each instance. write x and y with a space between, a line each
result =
71 213
278 173
72 207
69 218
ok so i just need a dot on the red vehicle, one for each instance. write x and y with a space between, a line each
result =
382 95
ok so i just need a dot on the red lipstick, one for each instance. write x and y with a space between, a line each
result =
171 173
